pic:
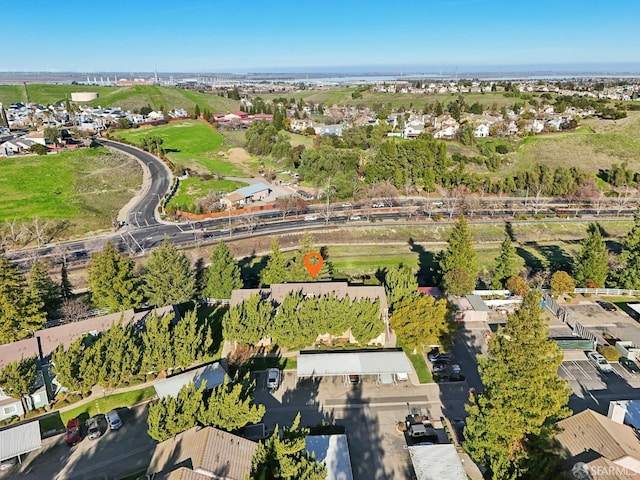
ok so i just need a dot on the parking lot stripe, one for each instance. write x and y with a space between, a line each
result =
582 370
567 372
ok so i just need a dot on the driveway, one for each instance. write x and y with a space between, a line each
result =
113 456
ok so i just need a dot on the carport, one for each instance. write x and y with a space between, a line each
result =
384 364
17 441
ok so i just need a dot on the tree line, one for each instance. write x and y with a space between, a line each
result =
126 350
298 320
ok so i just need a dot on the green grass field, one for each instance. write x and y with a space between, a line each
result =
190 143
133 98
86 187
192 188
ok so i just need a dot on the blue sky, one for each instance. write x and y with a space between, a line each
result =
324 35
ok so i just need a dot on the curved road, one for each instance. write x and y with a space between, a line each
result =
144 212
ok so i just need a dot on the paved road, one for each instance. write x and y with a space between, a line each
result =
144 212
113 456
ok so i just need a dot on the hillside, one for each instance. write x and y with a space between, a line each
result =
132 98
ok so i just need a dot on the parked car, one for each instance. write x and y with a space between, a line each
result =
113 420
402 377
629 365
599 362
74 434
273 378
439 366
608 306
94 427
355 217
347 205
310 218
435 355
378 205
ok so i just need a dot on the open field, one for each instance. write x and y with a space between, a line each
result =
133 97
190 143
86 187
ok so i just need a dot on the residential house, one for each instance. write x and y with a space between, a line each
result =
301 124
447 133
597 443
202 454
248 194
329 130
481 131
470 308
412 130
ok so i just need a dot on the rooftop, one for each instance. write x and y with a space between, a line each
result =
366 362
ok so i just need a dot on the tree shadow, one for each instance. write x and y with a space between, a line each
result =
613 246
556 257
250 270
530 260
427 264
508 228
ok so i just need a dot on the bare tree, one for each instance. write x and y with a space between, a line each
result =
329 191
622 199
13 230
39 230
73 309
250 222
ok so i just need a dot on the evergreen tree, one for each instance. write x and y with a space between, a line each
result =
420 321
197 111
223 273
18 378
592 263
276 269
522 399
297 269
191 340
170 415
629 276
400 283
284 457
67 365
43 288
113 284
65 288
506 264
156 338
170 278
20 312
247 322
232 406
459 264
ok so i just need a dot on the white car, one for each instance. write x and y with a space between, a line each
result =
273 378
599 362
378 205
113 419
355 217
310 218
347 205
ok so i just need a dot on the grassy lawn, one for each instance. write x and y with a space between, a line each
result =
58 420
86 187
418 362
195 187
132 98
190 143
109 402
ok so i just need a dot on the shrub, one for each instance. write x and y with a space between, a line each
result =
150 377
609 352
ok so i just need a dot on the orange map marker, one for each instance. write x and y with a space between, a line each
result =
313 268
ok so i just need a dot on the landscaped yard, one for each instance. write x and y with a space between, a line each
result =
418 362
85 187
190 143
196 187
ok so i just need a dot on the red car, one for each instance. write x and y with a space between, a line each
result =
74 435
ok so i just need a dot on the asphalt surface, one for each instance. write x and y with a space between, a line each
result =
145 211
